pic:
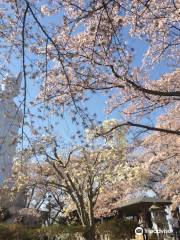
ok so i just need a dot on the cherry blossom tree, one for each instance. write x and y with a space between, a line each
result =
161 153
73 49
87 50
80 174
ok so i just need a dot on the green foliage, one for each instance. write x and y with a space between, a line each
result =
117 229
62 229
20 232
17 232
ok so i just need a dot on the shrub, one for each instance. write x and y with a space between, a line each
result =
117 229
17 232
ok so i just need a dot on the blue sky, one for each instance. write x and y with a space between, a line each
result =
96 104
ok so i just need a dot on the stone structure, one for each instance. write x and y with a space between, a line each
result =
10 121
10 118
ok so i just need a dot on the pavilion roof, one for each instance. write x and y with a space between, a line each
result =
138 204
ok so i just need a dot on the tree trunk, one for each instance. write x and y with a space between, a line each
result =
89 233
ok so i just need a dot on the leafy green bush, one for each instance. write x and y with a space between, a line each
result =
21 232
67 232
117 229
17 232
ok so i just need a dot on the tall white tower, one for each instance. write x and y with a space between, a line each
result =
10 119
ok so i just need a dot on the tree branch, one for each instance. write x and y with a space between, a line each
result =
145 90
24 69
149 128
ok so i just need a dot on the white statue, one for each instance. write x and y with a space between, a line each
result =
10 120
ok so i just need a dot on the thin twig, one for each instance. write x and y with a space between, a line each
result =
24 71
